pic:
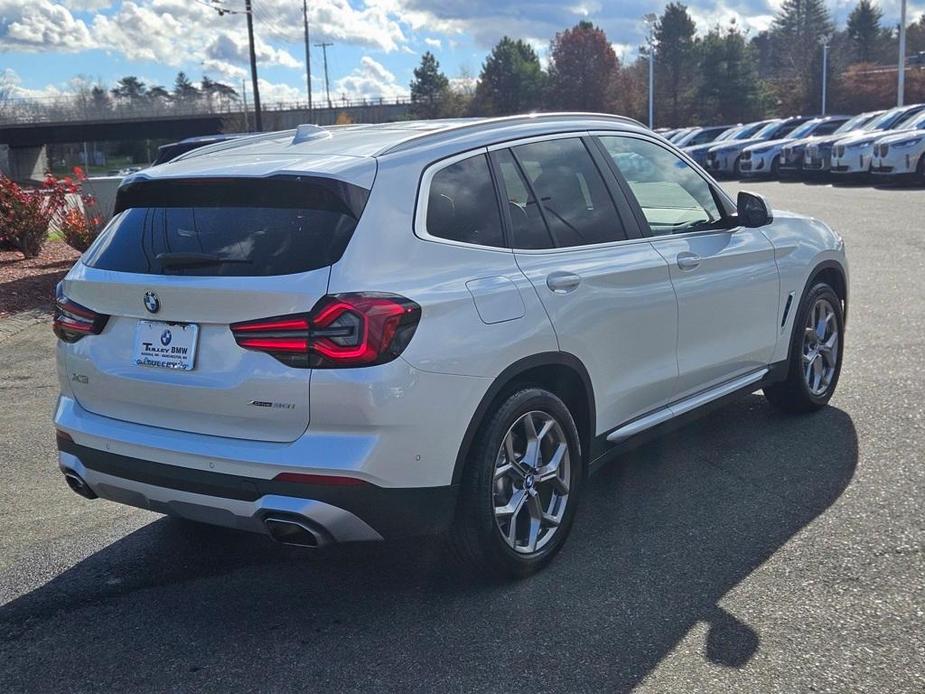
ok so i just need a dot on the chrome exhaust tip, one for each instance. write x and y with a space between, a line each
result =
292 531
76 482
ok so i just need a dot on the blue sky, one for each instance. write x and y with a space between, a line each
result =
45 45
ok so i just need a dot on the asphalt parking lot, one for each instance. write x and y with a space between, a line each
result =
747 552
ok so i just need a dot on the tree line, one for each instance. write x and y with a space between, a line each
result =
724 75
133 91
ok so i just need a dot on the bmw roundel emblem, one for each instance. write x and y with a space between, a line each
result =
152 303
166 337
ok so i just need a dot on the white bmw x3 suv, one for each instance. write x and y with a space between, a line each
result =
368 332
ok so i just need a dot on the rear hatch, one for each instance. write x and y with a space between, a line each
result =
181 261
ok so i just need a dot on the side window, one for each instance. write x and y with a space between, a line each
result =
573 198
674 198
527 226
461 204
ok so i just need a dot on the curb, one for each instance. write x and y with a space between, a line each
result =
17 322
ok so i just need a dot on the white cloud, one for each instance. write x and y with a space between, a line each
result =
434 43
371 80
40 25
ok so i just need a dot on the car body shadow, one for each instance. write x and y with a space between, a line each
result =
662 535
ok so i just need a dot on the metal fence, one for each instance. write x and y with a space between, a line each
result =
63 109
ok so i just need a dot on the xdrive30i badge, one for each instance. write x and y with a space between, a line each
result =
152 303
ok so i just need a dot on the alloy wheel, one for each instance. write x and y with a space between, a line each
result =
820 347
530 488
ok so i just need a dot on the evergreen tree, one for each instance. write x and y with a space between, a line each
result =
675 64
130 88
429 88
511 81
864 30
583 69
183 89
729 89
796 34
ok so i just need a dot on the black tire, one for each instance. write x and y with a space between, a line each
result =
737 168
775 167
793 394
475 537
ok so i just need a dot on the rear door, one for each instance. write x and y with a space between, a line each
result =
179 264
725 276
607 291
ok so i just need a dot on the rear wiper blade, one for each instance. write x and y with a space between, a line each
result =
187 259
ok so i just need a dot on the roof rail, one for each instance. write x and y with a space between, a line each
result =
488 124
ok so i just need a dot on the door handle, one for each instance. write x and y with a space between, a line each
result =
563 282
688 261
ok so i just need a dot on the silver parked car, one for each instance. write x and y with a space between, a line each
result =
368 332
699 153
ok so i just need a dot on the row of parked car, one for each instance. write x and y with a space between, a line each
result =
888 143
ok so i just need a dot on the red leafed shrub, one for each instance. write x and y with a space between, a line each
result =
25 215
80 227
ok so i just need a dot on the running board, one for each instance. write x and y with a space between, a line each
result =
684 406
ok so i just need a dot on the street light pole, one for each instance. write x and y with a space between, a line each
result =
650 20
901 82
258 118
308 58
825 70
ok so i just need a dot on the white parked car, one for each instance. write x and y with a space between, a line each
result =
764 159
853 155
793 158
901 153
367 332
725 158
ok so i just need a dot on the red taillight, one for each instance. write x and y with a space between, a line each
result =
73 321
342 330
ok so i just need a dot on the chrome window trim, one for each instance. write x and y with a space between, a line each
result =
420 213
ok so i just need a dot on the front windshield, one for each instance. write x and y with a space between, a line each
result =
916 123
728 134
882 122
805 129
856 122
749 130
767 130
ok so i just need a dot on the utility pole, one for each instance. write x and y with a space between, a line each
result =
825 69
650 20
258 117
327 85
901 84
247 127
308 59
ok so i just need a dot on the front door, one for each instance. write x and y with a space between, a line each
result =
725 276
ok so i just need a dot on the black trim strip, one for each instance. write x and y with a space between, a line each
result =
392 512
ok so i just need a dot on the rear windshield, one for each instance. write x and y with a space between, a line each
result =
236 227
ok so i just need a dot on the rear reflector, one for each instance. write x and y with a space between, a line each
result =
321 480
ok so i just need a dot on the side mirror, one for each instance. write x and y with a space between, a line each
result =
753 210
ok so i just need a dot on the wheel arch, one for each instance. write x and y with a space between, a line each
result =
833 273
561 373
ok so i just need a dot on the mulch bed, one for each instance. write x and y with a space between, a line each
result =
27 285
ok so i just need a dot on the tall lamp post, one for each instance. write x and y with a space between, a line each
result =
650 20
825 68
901 82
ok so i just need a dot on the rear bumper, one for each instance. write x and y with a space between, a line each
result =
353 513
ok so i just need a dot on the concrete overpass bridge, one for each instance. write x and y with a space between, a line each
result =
27 132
